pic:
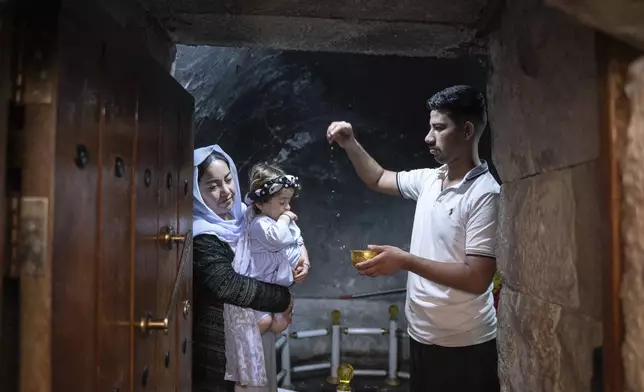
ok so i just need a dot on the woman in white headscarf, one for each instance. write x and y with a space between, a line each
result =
219 222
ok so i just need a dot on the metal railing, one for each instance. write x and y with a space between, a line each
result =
336 330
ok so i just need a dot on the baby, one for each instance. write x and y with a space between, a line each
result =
274 238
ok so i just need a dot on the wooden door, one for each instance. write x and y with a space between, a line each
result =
105 205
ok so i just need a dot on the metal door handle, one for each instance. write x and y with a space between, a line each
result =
167 238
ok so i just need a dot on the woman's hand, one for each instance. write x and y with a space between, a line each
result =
301 270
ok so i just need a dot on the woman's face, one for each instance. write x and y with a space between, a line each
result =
217 188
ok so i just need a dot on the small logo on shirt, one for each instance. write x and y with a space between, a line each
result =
450 211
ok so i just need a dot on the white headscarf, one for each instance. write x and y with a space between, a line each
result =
205 220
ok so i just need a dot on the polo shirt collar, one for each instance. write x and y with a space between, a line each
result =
471 175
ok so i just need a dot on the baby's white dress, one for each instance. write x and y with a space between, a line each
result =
274 250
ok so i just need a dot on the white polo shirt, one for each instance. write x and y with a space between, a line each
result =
448 225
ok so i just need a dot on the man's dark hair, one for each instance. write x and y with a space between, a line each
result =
462 103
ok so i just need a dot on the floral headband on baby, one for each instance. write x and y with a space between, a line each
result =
271 187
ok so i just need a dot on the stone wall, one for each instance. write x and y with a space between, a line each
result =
633 227
381 27
543 102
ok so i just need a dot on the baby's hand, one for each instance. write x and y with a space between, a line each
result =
290 215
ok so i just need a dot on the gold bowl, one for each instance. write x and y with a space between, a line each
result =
359 256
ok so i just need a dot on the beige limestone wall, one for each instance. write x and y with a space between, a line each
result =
543 105
633 228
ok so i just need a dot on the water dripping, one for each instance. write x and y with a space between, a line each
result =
333 182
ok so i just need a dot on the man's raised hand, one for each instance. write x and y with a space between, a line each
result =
340 132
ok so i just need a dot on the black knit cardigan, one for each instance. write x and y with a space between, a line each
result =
216 283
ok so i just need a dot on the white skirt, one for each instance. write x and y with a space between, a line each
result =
268 341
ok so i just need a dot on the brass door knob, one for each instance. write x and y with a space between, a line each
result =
168 237
148 324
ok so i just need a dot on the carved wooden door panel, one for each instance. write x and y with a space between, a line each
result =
103 254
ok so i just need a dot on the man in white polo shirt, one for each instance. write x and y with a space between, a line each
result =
451 262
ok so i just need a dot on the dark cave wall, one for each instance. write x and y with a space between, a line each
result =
268 105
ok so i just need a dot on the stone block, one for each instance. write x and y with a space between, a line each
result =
542 91
544 347
619 18
553 238
419 11
289 33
